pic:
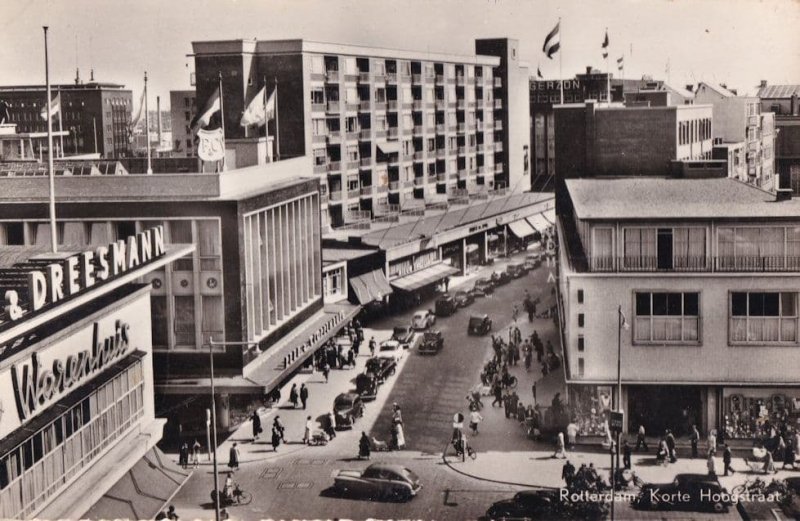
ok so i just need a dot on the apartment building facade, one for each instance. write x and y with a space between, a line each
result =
96 115
784 102
697 282
386 129
182 110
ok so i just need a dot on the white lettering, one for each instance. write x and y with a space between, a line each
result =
145 246
118 257
72 275
87 269
55 281
37 289
158 241
133 253
101 253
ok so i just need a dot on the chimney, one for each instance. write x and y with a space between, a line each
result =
91 74
158 118
77 76
690 87
588 69
763 83
783 194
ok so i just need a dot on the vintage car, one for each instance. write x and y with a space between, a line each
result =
533 261
381 367
693 492
378 481
526 504
432 342
367 384
479 324
464 298
445 306
483 287
347 407
500 277
423 319
390 349
517 270
404 335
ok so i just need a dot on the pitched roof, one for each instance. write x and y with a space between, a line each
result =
666 198
778 91
719 89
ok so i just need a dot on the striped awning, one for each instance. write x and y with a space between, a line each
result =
370 287
424 277
550 215
538 222
521 229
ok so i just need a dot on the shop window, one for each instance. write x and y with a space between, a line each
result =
184 321
761 317
160 321
213 319
209 246
580 296
667 317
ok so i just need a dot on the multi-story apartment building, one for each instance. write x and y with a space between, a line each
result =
96 115
706 275
738 119
383 126
182 109
784 102
593 139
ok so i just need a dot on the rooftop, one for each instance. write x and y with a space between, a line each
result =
668 198
778 91
332 255
719 89
63 86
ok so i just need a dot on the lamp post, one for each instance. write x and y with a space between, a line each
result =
211 345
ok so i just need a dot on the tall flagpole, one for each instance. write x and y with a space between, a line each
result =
561 61
277 125
50 172
222 118
147 126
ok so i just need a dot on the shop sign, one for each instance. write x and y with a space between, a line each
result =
63 279
478 228
211 145
615 420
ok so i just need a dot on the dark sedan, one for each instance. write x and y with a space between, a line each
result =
367 386
445 306
692 492
381 367
527 504
378 481
464 298
500 277
432 343
347 407
404 335
479 324
483 287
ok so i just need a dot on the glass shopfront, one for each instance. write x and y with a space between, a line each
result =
754 412
588 408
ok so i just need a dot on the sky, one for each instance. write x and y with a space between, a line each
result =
736 42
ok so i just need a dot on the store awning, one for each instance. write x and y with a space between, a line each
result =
472 247
550 215
521 229
143 491
538 222
389 147
370 287
424 277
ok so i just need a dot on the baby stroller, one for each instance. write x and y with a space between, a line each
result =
377 445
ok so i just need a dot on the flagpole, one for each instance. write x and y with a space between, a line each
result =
277 125
608 70
561 62
222 118
50 172
60 118
147 126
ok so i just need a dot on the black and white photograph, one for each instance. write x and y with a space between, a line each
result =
435 260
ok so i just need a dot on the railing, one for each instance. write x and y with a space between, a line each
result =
392 132
682 263
417 129
461 104
363 76
498 104
334 166
318 107
417 155
462 127
333 106
363 105
441 178
498 147
353 216
441 152
366 161
440 104
407 184
320 169
498 82
380 105
440 78
335 197
332 76
391 77
417 104
416 78
352 136
351 165
462 149
459 79
498 125
391 104
440 128
319 138
498 167
367 190
394 185
419 181
365 133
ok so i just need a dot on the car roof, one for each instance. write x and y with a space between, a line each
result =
696 477
434 332
387 466
421 312
389 342
479 315
347 396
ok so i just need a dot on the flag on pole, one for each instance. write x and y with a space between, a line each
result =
135 120
55 107
623 322
539 72
553 42
605 45
213 106
258 112
621 63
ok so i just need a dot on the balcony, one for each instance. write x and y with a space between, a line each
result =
391 105
353 165
752 121
380 133
452 127
440 128
354 194
479 102
392 132
418 130
318 107
472 149
441 152
334 136
461 104
367 191
333 106
380 106
460 80
419 181
380 76
335 166
440 104
440 78
352 136
452 151
332 76
416 104
382 189
498 104
365 134
441 178
391 77
498 147
363 77
431 178
418 156
498 82
498 124
462 127
319 138
407 184
407 105
335 197
462 150
321 168
481 170
394 186
352 106
498 168
416 78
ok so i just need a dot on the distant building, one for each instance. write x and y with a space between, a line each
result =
96 115
738 119
386 128
784 102
182 109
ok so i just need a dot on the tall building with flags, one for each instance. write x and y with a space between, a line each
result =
386 129
96 115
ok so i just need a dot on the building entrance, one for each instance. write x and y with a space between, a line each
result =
662 407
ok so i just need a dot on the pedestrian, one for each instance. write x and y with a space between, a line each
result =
277 425
788 454
372 346
357 343
694 437
514 403
399 436
533 391
196 448
233 458
364 446
171 514
351 358
304 395
308 431
568 473
560 449
507 403
293 396
515 312
331 426
572 434
710 463
276 438
397 414
497 390
640 439
256 425
446 284
626 454
726 460
326 370
769 464
670 439
475 419
712 440
183 455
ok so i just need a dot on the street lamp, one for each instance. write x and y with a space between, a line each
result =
211 345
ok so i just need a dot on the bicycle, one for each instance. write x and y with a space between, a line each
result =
459 444
238 496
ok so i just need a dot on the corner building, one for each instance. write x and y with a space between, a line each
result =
383 126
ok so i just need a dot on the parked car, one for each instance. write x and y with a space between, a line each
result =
483 287
423 319
526 504
464 298
445 306
367 384
390 349
693 492
500 277
517 270
404 335
347 407
533 261
381 367
432 342
479 324
378 481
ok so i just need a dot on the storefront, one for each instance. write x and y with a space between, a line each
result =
751 412
76 376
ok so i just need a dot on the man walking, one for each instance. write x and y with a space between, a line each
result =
372 346
303 395
670 439
626 455
568 473
694 437
640 441
726 460
497 390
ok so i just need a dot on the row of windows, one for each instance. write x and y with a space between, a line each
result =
694 130
378 66
36 470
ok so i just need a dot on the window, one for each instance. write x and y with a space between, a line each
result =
758 248
580 319
184 321
580 296
581 343
639 249
763 317
160 321
667 317
602 249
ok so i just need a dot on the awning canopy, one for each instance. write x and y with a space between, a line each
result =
538 222
550 215
370 287
424 277
472 247
389 147
521 229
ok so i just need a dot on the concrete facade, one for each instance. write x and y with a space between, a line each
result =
182 109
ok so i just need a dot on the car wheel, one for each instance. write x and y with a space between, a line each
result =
719 507
401 494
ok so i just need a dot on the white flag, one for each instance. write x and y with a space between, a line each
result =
138 116
55 107
258 112
203 118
